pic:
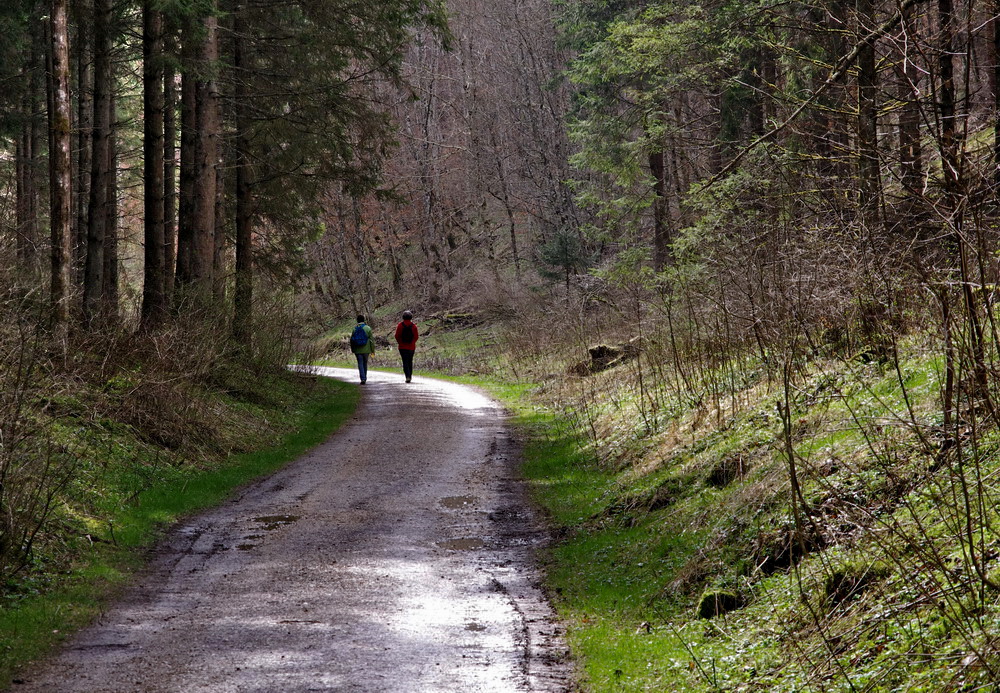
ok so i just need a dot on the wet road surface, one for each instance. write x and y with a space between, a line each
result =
395 557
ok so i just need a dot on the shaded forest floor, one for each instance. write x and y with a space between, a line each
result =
688 560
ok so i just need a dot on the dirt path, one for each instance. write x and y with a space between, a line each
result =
395 557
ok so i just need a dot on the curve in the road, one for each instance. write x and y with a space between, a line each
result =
395 557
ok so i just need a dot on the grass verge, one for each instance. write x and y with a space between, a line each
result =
595 573
678 564
45 608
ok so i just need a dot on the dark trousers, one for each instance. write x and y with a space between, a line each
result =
407 356
363 366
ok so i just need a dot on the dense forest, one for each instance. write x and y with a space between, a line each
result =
161 159
780 210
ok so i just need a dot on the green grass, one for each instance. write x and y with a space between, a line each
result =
607 574
627 572
38 616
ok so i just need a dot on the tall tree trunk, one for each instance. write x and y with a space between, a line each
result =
22 149
153 299
27 189
219 234
868 164
830 135
41 96
60 165
27 235
946 104
995 79
910 156
199 158
169 172
97 213
220 163
243 292
84 124
661 214
206 161
189 141
951 165
109 292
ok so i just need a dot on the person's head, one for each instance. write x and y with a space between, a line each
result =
407 315
361 318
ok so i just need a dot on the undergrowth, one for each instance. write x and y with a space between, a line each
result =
686 558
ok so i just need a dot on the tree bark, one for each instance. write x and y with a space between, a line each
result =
109 292
868 164
206 161
30 141
169 174
243 291
84 125
189 126
39 107
910 155
219 232
946 103
661 220
199 155
153 298
26 205
97 213
60 165
995 79
833 139
22 150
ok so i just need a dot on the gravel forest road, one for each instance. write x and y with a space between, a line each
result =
395 557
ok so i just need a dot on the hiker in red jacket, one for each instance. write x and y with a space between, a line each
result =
406 338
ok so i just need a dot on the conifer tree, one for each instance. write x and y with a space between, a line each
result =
60 173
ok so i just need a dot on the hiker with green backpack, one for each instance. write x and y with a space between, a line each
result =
363 346
406 338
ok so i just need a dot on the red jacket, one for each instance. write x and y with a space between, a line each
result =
399 331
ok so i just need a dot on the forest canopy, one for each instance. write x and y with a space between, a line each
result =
187 145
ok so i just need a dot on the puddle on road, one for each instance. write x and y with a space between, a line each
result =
249 538
465 544
267 523
458 502
270 522
100 646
